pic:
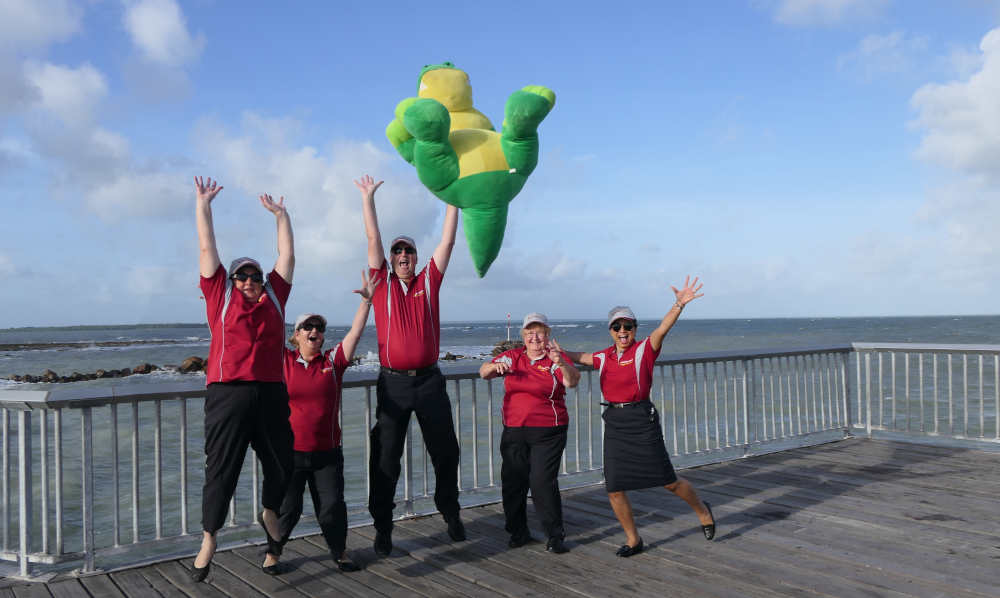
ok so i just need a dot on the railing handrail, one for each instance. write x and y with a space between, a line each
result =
96 396
926 347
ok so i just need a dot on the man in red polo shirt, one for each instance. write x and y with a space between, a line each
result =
408 324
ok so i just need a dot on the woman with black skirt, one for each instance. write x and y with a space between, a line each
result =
634 454
246 402
535 422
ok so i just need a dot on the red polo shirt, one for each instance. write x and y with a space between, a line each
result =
407 319
629 378
314 398
249 345
534 394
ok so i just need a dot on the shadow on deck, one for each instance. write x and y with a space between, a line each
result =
851 518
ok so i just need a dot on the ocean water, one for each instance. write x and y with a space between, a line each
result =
87 348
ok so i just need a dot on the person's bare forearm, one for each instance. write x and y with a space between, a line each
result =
285 266
208 258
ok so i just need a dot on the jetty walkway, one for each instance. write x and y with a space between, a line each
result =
855 517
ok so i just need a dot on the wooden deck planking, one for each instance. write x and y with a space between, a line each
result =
859 517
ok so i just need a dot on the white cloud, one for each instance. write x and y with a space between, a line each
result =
37 22
877 55
960 120
139 194
825 12
71 94
158 28
6 265
325 206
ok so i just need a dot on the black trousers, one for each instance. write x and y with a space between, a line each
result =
238 414
324 472
399 396
531 458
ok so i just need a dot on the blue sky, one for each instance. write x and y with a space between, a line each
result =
804 157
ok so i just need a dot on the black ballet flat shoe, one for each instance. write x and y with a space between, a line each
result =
709 530
519 540
627 551
456 530
198 574
273 546
383 543
275 569
347 565
555 545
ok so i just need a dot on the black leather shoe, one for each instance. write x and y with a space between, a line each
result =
275 569
456 530
555 545
519 540
383 543
709 530
627 551
347 565
198 575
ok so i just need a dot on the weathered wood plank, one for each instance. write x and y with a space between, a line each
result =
180 577
101 585
161 583
69 588
224 581
133 584
31 590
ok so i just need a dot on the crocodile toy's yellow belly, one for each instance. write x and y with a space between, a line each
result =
478 151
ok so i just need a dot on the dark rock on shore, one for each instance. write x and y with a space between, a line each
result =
451 357
506 346
192 364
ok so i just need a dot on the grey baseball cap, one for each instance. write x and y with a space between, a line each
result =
620 312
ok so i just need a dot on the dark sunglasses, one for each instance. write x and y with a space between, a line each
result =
242 277
309 326
618 326
403 249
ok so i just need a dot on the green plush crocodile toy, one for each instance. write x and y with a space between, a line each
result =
459 156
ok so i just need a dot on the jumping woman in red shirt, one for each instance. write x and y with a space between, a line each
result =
246 402
315 380
634 454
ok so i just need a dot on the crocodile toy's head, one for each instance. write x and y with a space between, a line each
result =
446 84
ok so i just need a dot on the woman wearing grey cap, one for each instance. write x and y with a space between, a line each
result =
634 454
535 422
246 402
315 379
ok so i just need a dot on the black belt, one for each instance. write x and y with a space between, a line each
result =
626 404
417 372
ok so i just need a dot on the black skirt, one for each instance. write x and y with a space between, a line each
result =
634 454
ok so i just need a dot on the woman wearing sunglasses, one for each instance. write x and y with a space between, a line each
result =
246 402
535 421
314 380
634 454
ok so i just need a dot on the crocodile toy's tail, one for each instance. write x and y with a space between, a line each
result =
484 244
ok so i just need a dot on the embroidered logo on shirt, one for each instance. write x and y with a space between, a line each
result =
626 362
418 293
542 368
325 370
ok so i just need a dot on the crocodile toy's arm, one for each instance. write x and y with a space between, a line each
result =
398 136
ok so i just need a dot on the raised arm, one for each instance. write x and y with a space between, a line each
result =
684 296
350 342
285 264
442 255
571 375
208 256
376 254
581 358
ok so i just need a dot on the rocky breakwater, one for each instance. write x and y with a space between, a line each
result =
191 364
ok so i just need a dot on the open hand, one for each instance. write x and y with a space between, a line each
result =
690 291
275 207
555 352
367 185
367 290
207 189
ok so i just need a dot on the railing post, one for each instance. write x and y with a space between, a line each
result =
868 394
845 393
24 487
746 407
87 498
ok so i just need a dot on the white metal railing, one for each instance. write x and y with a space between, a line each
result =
930 391
110 477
